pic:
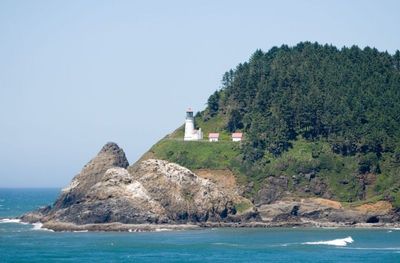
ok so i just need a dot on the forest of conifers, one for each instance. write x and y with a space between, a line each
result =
349 97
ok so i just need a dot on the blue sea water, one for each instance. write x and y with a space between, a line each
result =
28 243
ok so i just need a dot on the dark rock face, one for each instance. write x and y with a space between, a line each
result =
275 188
117 153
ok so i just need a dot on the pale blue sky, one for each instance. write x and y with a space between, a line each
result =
77 74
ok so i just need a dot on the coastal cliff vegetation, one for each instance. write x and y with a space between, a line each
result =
317 121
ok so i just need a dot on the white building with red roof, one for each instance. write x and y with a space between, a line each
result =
237 136
213 136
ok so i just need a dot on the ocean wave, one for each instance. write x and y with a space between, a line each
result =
36 226
12 220
340 242
81 231
39 226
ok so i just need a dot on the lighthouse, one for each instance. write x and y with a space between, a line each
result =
190 133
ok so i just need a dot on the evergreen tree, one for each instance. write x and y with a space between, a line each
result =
350 97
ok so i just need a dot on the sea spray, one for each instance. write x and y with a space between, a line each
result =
340 242
39 226
10 220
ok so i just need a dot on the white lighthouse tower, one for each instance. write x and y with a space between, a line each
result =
190 133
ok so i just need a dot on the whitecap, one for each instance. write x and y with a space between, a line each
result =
39 226
81 231
10 220
340 242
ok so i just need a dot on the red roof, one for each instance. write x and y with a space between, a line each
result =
189 110
213 135
237 135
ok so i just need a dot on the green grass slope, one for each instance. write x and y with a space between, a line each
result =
339 172
324 121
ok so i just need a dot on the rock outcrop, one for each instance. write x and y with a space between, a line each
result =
109 156
151 191
322 211
108 194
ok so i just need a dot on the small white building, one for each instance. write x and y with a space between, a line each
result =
237 136
213 136
190 133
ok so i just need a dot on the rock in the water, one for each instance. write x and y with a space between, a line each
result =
151 191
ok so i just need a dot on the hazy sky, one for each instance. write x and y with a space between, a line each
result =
77 74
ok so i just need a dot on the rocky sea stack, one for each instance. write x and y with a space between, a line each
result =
109 191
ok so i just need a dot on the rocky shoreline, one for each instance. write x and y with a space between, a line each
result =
120 227
110 195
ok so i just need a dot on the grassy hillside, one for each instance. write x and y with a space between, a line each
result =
197 155
318 121
340 173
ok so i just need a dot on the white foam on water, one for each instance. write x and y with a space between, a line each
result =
36 226
137 230
340 242
162 229
8 220
39 226
81 231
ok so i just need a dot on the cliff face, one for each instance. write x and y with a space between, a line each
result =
151 191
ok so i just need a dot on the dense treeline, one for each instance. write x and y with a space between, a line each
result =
350 97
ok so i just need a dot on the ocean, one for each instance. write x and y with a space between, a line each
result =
29 243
